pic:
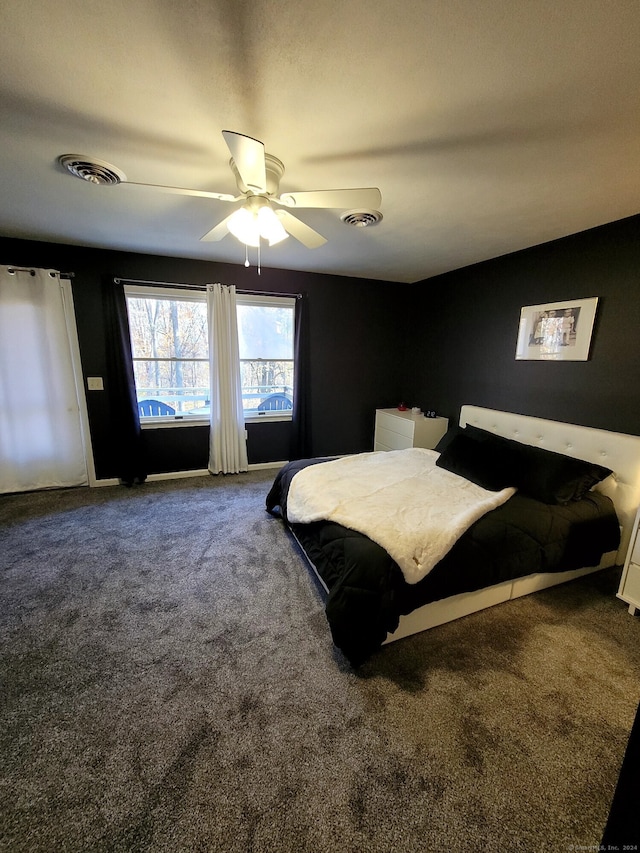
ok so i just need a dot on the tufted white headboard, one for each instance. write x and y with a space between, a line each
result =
615 450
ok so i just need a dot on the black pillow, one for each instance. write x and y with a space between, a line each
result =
448 437
478 461
557 479
545 475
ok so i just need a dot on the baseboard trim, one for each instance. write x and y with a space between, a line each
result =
179 475
264 466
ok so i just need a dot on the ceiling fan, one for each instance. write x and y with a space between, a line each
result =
263 214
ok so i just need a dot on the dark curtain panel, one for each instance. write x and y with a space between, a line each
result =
300 427
127 452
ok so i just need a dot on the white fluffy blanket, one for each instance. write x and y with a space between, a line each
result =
400 499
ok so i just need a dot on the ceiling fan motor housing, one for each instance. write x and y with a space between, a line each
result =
274 169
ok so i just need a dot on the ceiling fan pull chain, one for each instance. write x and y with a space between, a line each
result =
259 273
246 254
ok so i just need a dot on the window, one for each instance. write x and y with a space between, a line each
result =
265 337
169 343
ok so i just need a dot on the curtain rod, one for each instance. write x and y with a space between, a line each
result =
31 270
202 287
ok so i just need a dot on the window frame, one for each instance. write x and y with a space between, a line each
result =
185 293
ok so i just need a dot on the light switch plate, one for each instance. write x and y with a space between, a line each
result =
95 383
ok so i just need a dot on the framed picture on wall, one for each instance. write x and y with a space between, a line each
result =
558 331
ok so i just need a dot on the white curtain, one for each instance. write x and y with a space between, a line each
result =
227 443
41 437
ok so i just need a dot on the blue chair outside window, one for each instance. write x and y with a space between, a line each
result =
275 403
154 408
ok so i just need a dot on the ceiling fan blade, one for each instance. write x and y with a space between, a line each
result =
368 197
302 232
185 191
217 232
248 155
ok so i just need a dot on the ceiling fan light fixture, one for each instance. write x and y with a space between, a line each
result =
270 227
244 227
249 225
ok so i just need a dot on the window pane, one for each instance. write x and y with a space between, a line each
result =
183 386
168 328
265 335
262 381
265 331
167 335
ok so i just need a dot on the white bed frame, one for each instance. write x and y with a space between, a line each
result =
620 453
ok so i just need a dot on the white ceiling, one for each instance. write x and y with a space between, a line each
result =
488 126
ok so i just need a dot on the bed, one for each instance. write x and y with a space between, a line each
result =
530 541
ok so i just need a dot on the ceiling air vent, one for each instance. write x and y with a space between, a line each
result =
94 171
361 218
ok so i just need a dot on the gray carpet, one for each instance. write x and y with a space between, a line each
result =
169 684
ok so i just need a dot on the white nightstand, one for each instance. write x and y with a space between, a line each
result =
630 582
397 430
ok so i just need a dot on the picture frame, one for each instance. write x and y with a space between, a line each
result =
556 331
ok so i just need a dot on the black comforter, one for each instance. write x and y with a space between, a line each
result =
367 592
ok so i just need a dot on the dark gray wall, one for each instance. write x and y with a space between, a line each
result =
354 350
461 338
437 344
